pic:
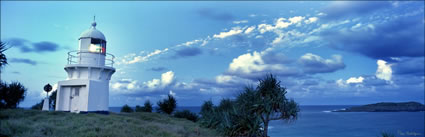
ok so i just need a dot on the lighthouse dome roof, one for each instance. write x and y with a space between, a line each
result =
92 33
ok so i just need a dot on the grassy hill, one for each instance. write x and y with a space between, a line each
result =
36 123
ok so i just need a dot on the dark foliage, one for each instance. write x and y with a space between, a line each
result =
167 105
52 102
138 108
208 117
52 99
38 106
187 115
3 59
385 134
249 114
11 94
146 108
127 109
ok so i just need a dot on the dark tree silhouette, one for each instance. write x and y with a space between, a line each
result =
187 115
270 102
147 106
167 105
252 110
11 94
52 99
127 109
3 59
38 106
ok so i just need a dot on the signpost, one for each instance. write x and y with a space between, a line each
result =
47 88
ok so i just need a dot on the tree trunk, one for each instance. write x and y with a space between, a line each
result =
266 128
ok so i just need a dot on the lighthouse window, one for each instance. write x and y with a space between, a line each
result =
98 45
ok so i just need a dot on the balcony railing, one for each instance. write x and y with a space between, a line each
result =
74 57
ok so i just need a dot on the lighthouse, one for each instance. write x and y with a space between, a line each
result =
89 70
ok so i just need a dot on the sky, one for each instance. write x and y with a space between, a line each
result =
323 52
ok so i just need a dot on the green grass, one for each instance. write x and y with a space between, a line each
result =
36 123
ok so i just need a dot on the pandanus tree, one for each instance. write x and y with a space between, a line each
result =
3 59
252 110
268 101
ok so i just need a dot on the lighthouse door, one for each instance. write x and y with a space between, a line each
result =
75 94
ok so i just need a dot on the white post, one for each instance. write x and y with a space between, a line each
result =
46 104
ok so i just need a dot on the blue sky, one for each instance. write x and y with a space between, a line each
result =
323 52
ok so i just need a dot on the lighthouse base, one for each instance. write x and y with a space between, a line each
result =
80 96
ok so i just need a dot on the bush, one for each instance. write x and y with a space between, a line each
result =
187 115
138 108
167 105
385 134
230 119
38 106
52 100
127 109
146 108
11 94
208 117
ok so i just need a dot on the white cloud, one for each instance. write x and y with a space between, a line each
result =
311 20
116 85
278 39
356 27
253 15
190 42
355 80
249 30
313 57
280 23
152 84
167 78
340 83
296 19
384 70
265 27
55 87
251 63
222 79
132 58
247 63
172 93
233 31
125 85
321 14
315 64
240 21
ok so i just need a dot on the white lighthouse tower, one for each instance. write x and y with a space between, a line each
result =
89 70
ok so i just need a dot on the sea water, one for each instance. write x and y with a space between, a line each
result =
319 121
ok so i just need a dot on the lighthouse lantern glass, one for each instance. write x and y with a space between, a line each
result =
97 46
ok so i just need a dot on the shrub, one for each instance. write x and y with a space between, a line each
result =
127 109
208 117
187 115
385 134
138 108
52 100
147 106
38 106
167 105
11 94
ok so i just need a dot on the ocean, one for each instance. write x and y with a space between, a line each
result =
319 121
